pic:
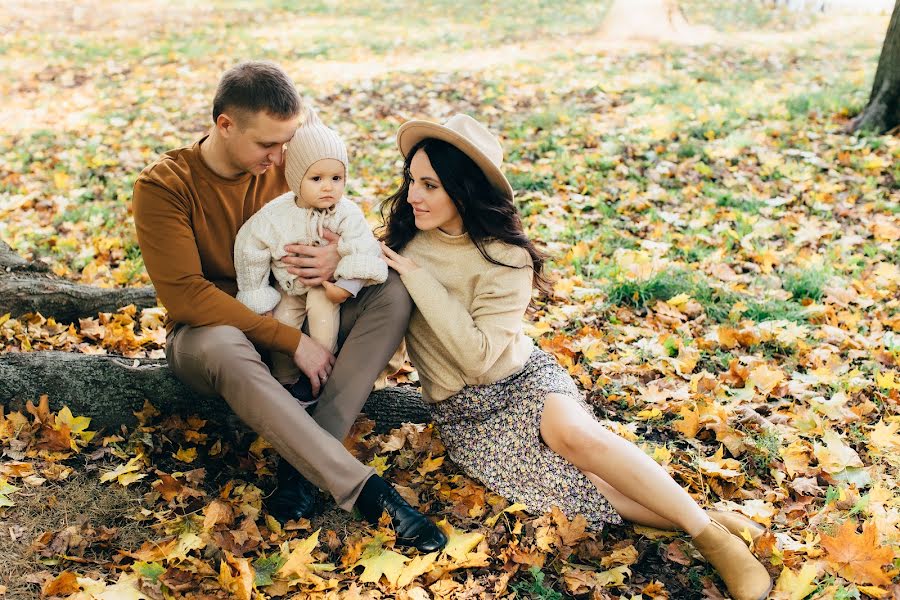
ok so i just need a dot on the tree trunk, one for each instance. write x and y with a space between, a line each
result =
28 287
882 114
643 19
109 389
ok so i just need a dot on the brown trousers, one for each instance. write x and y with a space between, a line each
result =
221 361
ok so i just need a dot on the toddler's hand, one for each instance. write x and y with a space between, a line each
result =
336 294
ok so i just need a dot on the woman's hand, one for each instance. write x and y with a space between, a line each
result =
396 262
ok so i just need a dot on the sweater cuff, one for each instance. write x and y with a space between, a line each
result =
286 339
261 300
357 266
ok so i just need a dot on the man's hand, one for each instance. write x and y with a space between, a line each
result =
315 361
334 293
313 264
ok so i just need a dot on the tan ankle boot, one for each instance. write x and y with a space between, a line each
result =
737 524
744 576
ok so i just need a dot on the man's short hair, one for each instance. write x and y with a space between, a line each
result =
254 86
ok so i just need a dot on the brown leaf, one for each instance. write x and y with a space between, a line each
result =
675 552
217 512
65 584
41 412
167 486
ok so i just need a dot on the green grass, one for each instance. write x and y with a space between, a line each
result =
717 303
535 589
805 283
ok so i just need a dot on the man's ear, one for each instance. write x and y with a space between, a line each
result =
226 124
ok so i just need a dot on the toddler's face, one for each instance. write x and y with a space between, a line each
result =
323 184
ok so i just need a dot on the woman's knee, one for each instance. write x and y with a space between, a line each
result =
567 428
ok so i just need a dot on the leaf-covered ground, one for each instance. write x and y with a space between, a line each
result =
727 293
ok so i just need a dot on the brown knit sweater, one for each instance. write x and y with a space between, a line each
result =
187 218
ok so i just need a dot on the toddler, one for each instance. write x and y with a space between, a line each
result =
316 170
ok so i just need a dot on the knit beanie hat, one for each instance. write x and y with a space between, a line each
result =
311 143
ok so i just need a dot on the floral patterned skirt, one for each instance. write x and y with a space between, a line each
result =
493 433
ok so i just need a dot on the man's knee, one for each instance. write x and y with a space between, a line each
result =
221 343
393 296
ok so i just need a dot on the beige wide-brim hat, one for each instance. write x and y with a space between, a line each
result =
467 135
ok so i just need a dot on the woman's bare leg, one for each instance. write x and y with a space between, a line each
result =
629 509
573 433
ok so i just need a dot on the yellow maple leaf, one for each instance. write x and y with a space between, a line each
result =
125 474
430 464
884 437
689 424
835 455
622 556
236 576
419 565
61 180
77 425
299 563
516 507
678 300
379 463
459 544
873 591
765 379
260 444
126 588
187 455
796 457
796 586
886 381
858 557
378 562
614 577
649 414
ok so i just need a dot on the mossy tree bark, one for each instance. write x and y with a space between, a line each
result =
882 113
109 389
28 287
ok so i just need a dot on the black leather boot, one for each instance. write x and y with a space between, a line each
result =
295 497
412 527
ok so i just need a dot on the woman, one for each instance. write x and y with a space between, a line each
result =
508 413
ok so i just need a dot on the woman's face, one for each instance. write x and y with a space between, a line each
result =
432 206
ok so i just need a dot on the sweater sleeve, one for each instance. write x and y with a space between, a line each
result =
360 252
169 248
252 264
475 337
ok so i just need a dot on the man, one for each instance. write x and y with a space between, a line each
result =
188 207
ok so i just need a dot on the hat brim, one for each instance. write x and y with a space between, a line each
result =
413 132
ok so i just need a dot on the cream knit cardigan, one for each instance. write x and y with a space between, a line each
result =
467 324
259 247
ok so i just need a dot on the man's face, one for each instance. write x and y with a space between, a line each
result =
256 142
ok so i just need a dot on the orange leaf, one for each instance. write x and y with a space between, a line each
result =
858 558
65 584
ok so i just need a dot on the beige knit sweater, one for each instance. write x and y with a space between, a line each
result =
466 327
259 246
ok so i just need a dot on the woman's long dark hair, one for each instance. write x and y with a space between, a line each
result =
486 213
